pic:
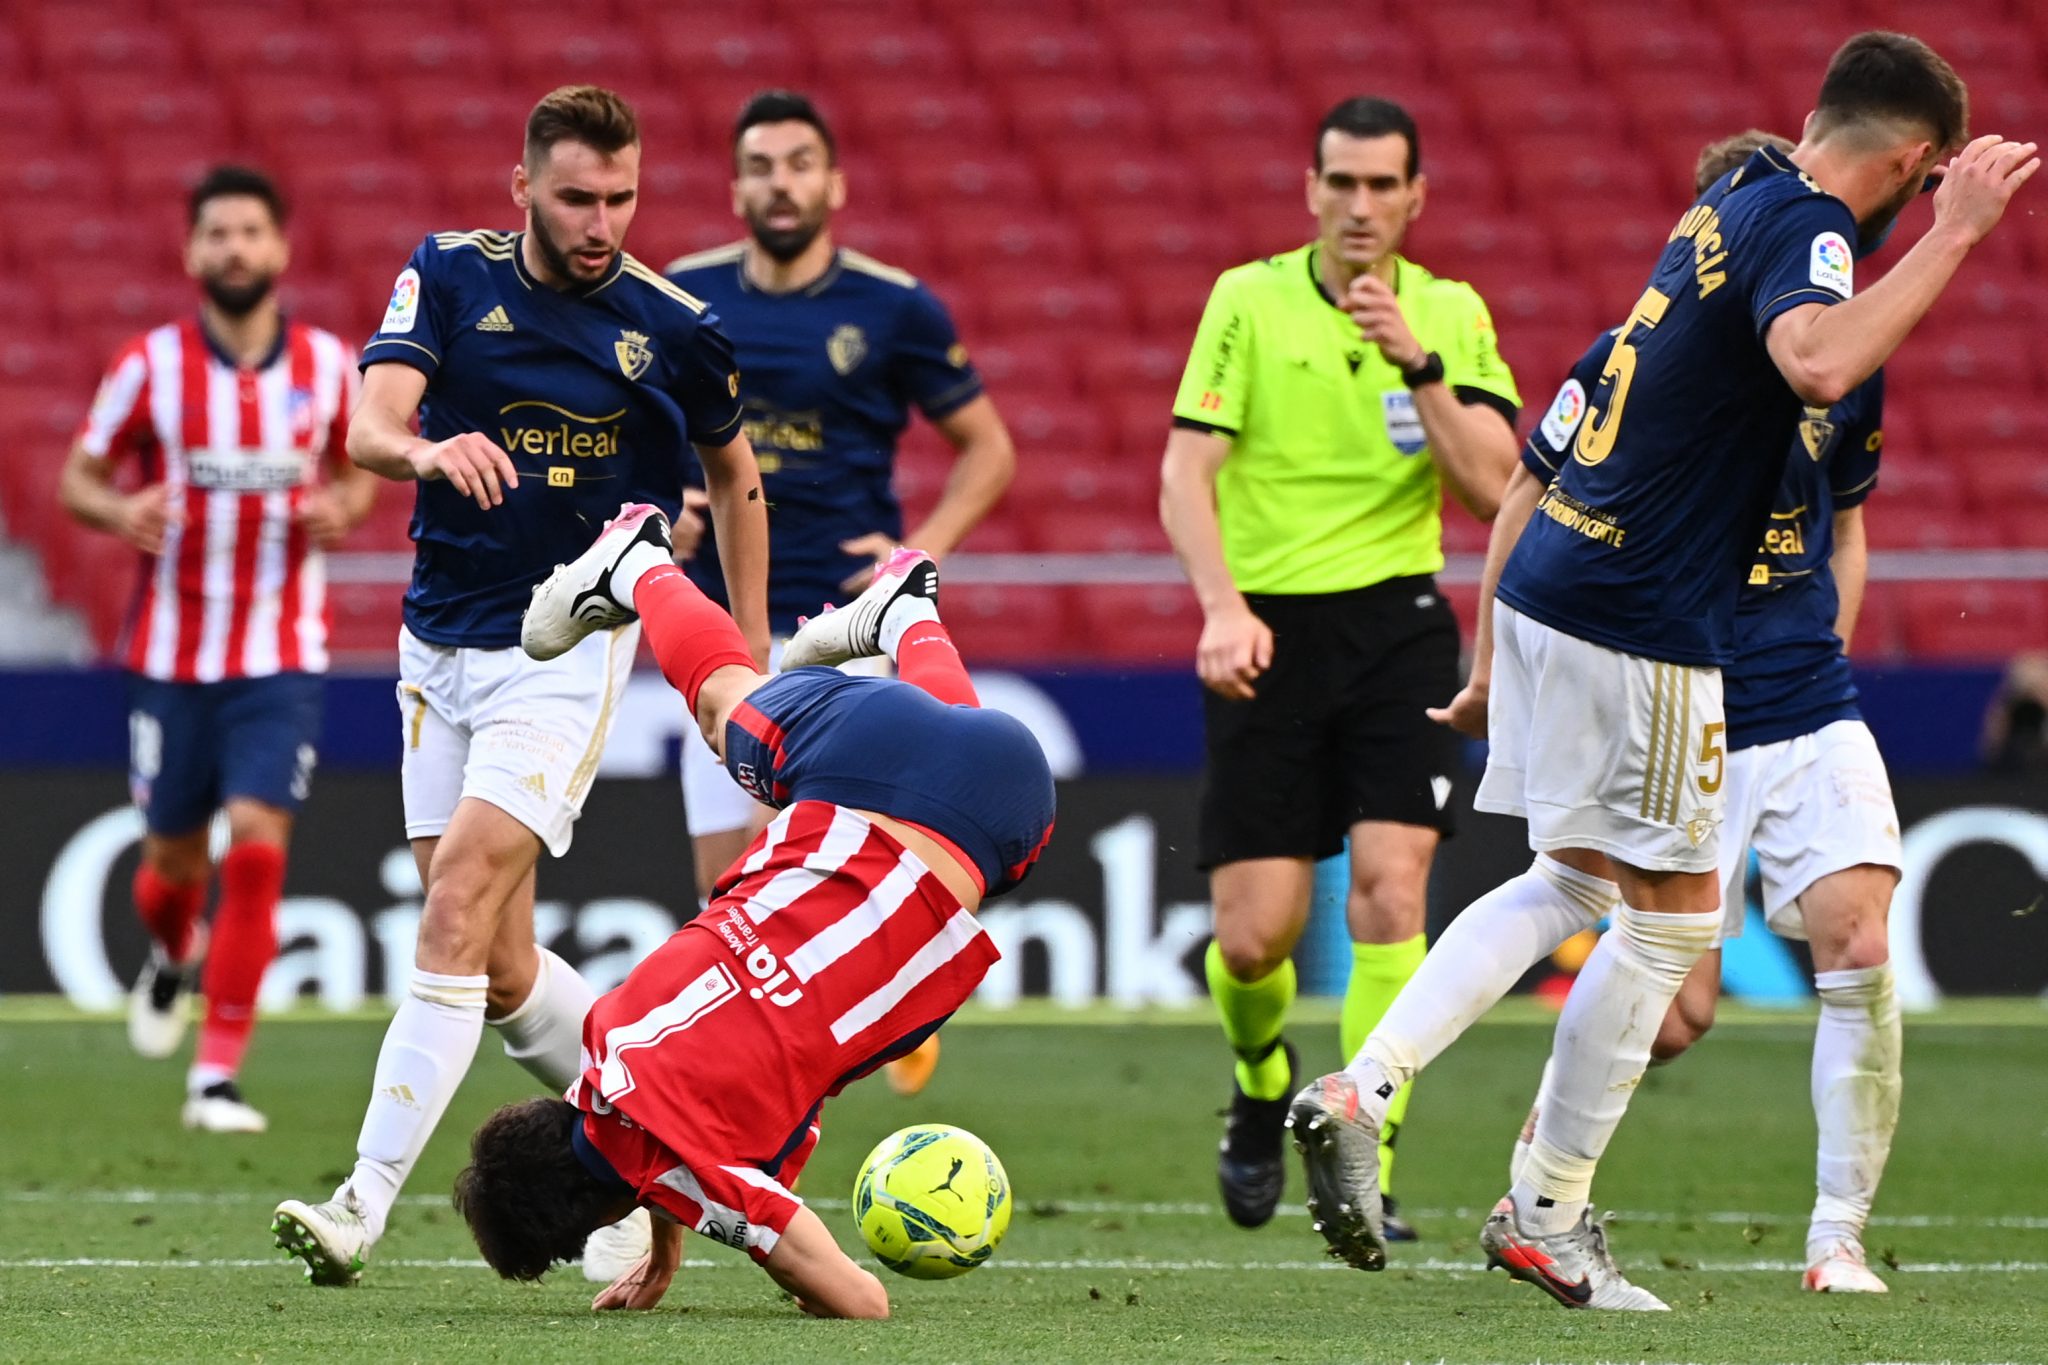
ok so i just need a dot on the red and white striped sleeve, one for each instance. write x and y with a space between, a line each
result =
119 416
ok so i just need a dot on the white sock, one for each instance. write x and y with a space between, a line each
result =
1479 958
1855 1098
640 558
427 1051
902 614
1599 1055
1520 1156
200 1077
545 1034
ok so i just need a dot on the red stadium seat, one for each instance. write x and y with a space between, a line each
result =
974 240
1010 369
1894 525
2001 478
543 54
1524 104
1124 239
298 125
1157 43
132 303
118 106
1018 43
1334 39
860 47
1474 53
895 111
1973 620
1059 110
956 176
903 242
1109 180
103 47
152 243
1971 418
1121 480
1113 366
1096 530
1198 108
55 367
2024 527
244 39
366 183
1877 634
1012 625
1549 168
401 54
1153 626
1018 305
1136 422
688 46
1167 297
1053 428
1913 480
1622 40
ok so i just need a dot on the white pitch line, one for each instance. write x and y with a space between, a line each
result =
1089 1207
1430 1266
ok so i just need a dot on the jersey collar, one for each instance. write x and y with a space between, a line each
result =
574 291
220 352
811 290
1315 276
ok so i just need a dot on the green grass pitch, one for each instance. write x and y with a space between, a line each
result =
123 1237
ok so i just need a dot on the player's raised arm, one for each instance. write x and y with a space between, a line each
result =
732 480
381 440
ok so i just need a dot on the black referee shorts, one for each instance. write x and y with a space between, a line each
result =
1336 732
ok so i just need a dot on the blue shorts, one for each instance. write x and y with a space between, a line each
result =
192 747
879 744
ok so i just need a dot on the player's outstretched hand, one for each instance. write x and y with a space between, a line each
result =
639 1288
472 463
686 532
873 547
1235 648
325 519
1981 180
146 515
1467 712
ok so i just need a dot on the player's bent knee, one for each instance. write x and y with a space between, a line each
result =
1249 956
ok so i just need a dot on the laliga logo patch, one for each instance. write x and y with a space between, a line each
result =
633 354
846 348
1832 266
404 308
1567 410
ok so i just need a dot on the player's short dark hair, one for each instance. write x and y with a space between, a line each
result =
782 106
1891 77
1367 116
527 1198
237 182
1719 158
598 118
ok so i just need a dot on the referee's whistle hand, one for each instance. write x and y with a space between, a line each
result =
1235 648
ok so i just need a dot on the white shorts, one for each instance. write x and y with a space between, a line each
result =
496 725
1810 806
1602 750
712 802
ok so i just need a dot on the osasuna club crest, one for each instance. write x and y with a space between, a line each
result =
846 347
633 353
1816 432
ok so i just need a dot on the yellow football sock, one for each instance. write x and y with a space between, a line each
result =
1378 971
1253 1014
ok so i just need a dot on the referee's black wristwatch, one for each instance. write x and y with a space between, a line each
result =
1428 370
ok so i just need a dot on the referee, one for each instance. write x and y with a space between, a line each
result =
1334 394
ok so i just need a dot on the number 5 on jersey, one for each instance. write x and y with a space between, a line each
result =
1596 437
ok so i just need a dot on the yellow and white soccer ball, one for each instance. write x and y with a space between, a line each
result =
932 1201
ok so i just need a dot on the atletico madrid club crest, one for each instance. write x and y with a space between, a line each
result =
633 353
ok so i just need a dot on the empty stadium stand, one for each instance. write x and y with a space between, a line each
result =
1069 174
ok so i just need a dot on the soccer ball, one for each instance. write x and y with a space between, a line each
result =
932 1202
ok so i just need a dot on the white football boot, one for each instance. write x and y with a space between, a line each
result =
160 1006
1339 1144
1840 1269
220 1108
615 1249
1572 1267
854 631
329 1237
576 599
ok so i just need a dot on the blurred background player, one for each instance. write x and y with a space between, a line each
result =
1616 613
237 419
851 919
1334 394
1806 785
834 351
594 375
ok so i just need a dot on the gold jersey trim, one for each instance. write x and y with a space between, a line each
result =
868 265
718 255
653 279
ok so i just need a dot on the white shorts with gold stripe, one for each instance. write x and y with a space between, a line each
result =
1602 750
496 725
1810 806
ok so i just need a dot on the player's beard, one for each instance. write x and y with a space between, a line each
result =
238 300
558 260
786 244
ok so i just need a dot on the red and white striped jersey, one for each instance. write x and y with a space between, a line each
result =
239 591
830 946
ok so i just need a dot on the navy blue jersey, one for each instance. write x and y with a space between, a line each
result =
1789 676
828 374
596 395
1642 541
975 777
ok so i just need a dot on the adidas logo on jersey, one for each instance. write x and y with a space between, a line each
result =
537 783
403 1094
495 321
